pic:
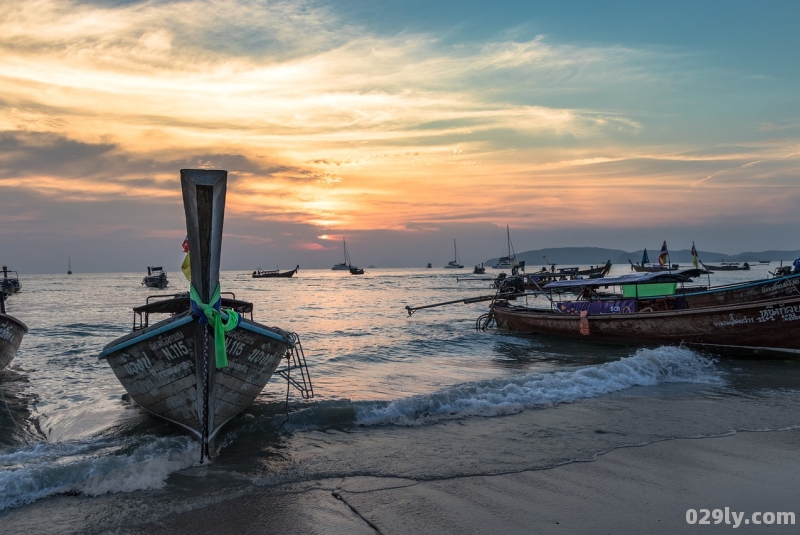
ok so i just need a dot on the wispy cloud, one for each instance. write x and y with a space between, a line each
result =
331 125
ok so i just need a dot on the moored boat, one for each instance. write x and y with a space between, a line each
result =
156 278
663 262
262 274
456 262
727 266
10 282
11 332
508 261
343 266
596 272
537 280
206 363
753 327
479 269
649 309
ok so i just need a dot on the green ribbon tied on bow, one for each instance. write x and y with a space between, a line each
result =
216 321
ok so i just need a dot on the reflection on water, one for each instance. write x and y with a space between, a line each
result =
371 364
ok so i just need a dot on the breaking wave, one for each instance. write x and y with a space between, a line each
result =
93 468
510 395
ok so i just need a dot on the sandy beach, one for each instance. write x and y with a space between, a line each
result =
645 489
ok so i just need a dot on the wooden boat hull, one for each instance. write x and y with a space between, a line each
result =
759 290
274 274
764 326
158 366
594 272
10 286
155 282
648 269
745 267
11 332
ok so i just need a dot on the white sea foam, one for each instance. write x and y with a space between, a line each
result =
510 395
94 467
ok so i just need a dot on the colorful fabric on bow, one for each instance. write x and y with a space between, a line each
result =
214 317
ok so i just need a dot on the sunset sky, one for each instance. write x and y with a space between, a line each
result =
397 124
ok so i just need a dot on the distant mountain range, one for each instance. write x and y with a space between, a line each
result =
584 256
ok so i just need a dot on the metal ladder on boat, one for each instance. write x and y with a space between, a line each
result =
296 361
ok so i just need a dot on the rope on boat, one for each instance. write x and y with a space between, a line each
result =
213 316
204 422
288 384
508 286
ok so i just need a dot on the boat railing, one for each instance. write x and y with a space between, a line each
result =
141 315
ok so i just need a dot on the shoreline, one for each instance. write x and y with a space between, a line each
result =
630 489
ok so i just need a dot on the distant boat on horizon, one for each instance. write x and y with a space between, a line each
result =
646 267
10 282
456 263
156 278
69 265
274 273
343 266
508 261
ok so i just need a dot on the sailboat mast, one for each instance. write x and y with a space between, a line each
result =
511 258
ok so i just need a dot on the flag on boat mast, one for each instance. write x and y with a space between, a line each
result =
186 267
645 257
694 256
663 256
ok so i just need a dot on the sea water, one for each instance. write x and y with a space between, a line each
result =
424 396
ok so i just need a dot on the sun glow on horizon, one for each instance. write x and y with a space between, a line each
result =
336 127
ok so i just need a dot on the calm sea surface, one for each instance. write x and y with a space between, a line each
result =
424 396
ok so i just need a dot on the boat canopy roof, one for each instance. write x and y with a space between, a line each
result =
180 303
656 277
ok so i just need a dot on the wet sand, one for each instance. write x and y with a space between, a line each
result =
645 489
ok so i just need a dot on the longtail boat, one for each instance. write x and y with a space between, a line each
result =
536 280
274 273
11 332
666 286
651 268
205 363
727 266
156 278
10 282
745 317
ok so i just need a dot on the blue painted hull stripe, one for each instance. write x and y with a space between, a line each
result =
262 331
145 336
180 323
